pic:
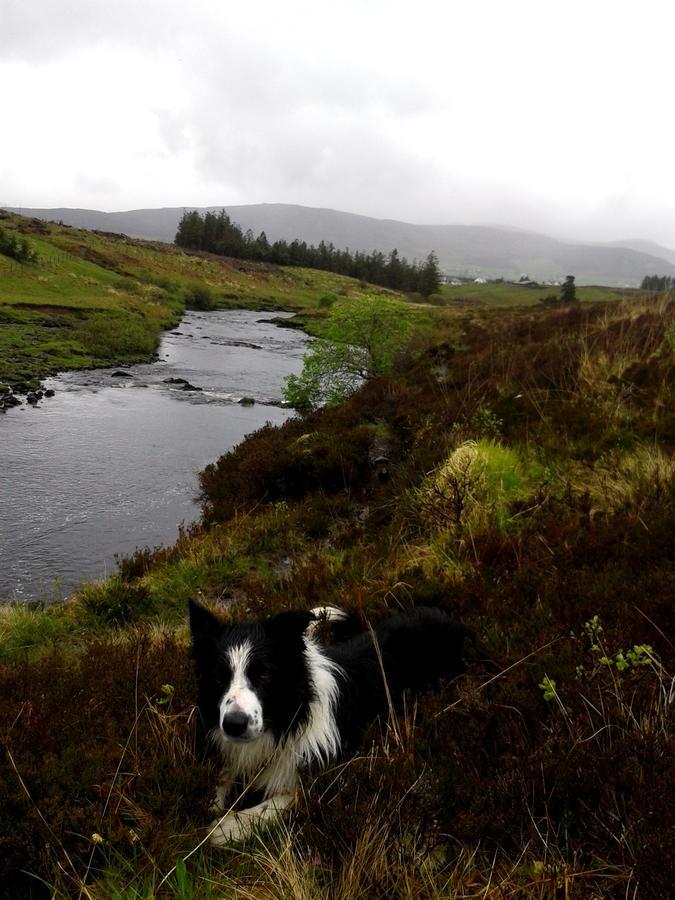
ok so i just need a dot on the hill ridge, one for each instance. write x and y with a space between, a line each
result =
472 250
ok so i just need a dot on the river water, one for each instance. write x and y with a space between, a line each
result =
110 463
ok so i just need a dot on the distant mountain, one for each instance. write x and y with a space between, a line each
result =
461 249
649 247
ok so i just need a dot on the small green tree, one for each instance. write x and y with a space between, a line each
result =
568 291
361 339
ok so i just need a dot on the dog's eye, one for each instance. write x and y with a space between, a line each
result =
257 673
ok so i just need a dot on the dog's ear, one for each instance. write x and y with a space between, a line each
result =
203 624
291 624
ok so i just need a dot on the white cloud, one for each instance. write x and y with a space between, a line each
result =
545 116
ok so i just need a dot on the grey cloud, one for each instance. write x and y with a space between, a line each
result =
174 131
288 103
38 31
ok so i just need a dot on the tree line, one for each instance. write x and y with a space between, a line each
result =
217 233
657 283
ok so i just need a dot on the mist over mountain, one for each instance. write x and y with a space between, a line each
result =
649 247
461 249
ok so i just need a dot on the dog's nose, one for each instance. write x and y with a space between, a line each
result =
235 723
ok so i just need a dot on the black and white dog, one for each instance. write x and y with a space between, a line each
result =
275 701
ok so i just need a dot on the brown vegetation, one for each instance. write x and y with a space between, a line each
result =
552 535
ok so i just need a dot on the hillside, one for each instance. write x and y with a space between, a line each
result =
98 299
649 247
473 250
530 492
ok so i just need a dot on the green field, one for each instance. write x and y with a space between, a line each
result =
495 294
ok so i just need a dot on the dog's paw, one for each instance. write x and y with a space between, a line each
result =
237 826
230 829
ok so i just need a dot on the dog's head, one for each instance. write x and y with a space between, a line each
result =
252 677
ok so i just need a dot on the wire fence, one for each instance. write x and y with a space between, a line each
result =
50 261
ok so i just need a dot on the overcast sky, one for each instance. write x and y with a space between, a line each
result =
549 115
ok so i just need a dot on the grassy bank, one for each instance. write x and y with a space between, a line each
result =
93 299
531 492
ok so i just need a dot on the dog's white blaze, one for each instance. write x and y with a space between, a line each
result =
239 695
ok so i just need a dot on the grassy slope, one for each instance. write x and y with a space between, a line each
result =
95 300
532 493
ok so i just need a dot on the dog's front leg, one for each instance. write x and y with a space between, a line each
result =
237 826
219 804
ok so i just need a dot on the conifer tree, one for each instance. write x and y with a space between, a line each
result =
430 277
568 291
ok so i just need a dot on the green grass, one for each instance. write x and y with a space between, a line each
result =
66 312
93 300
505 295
232 283
96 300
27 629
63 280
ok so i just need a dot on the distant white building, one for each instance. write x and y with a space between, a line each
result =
480 280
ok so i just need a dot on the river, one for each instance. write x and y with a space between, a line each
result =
110 463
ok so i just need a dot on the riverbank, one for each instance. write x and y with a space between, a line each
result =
529 489
92 300
109 463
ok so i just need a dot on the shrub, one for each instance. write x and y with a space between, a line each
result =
114 602
477 486
199 296
285 463
16 248
121 762
360 340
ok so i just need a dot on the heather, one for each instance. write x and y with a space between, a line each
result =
520 476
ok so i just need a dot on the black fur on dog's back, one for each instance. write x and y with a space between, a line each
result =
413 651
